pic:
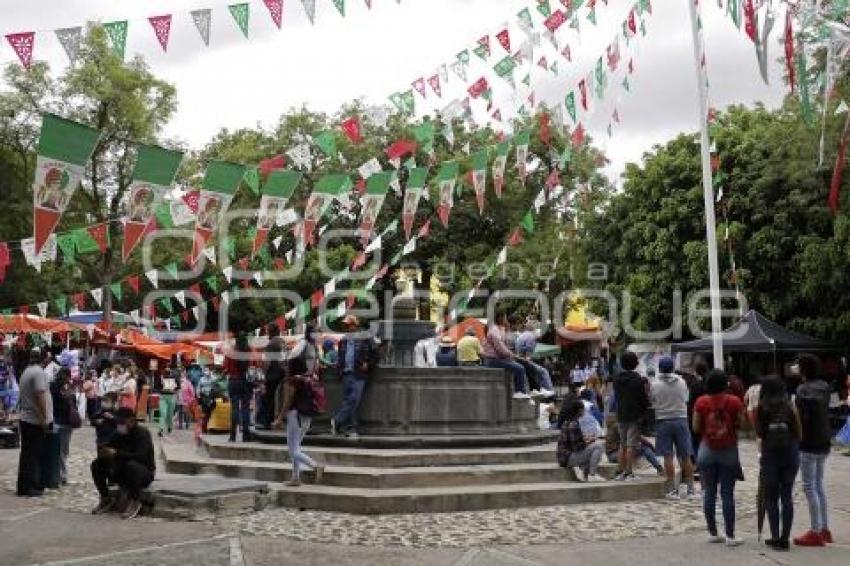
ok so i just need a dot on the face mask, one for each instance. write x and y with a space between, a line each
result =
122 429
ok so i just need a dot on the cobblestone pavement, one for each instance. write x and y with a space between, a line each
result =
540 525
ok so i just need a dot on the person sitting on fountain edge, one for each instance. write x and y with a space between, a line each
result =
127 460
356 358
497 355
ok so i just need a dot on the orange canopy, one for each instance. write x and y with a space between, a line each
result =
33 323
145 345
458 331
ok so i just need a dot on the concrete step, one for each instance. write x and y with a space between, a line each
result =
503 440
182 461
218 448
466 498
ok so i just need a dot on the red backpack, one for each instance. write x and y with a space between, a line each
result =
719 426
311 399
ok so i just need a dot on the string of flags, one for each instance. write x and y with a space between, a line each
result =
519 61
160 25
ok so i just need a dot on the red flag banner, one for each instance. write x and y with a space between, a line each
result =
504 38
162 28
99 235
789 49
351 129
5 260
275 11
838 174
434 82
22 43
478 87
555 21
750 20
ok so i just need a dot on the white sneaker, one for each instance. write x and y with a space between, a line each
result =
672 495
521 395
536 393
578 473
734 541
596 478
715 539
547 393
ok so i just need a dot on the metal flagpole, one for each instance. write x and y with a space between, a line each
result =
708 192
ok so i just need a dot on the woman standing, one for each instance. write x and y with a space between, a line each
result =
128 390
717 418
65 417
239 389
778 428
166 386
300 358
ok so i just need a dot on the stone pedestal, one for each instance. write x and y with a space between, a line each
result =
437 401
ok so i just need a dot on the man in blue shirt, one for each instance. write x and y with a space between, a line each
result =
357 357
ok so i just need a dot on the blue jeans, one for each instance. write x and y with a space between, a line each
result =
812 466
352 394
543 377
520 385
240 407
297 426
718 467
777 474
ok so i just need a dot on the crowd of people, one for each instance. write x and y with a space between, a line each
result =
695 419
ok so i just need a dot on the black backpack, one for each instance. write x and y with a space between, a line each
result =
777 429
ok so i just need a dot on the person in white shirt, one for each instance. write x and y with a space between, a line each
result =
425 351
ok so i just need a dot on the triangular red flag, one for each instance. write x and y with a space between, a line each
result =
578 135
215 301
566 53
79 300
542 62
351 129
22 43
350 299
275 11
381 272
400 148
191 199
425 230
316 298
162 29
443 212
504 38
196 288
837 175
5 260
133 282
497 115
98 233
631 21
419 85
750 20
582 88
358 262
272 164
280 322
515 238
434 82
545 132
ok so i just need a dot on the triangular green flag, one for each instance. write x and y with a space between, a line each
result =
528 222
327 142
61 304
482 51
166 304
84 241
68 245
171 268
241 13
212 283
163 216
116 290
252 179
591 15
570 103
626 84
526 80
522 137
230 247
463 57
524 16
340 5
303 309
175 321
544 8
424 134
117 32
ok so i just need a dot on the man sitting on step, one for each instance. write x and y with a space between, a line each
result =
127 460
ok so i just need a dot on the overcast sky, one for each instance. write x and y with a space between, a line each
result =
240 83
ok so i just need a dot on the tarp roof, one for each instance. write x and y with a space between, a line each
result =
33 323
755 333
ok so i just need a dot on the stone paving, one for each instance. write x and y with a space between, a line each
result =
540 525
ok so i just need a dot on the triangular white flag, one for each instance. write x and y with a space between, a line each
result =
449 134
153 277
203 19
310 10
842 108
503 256
258 277
135 316
466 148
197 312
181 298
286 217
374 245
97 295
90 330
228 272
225 297
301 156
340 310
369 168
42 309
277 242
409 247
69 38
330 287
209 253
288 256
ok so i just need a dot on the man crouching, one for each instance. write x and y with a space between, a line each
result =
127 460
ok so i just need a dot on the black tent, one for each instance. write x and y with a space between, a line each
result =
757 334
